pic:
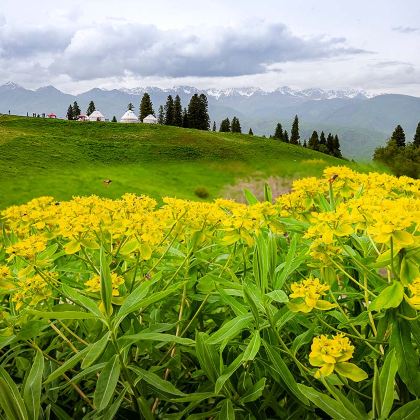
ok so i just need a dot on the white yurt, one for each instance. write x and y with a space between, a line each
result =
96 116
150 119
129 117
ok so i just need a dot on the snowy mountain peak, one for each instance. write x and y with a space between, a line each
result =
11 86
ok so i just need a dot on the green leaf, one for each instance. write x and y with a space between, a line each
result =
10 399
33 386
288 263
390 297
82 301
137 300
268 193
409 411
255 392
95 350
227 373
333 408
156 381
351 371
408 360
226 411
230 329
301 340
278 296
129 247
106 282
250 198
107 382
386 383
112 410
207 356
253 347
72 247
283 371
236 307
68 364
128 340
62 315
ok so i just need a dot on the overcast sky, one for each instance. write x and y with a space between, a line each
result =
332 44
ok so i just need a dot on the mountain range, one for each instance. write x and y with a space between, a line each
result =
362 120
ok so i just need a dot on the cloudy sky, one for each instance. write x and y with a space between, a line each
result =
76 45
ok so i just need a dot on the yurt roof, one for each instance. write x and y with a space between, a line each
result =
96 114
129 116
150 117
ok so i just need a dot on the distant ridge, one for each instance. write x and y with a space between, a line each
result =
361 119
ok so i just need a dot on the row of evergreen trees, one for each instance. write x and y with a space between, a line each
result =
73 111
230 127
329 145
403 158
196 115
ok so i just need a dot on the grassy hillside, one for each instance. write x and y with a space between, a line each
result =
62 159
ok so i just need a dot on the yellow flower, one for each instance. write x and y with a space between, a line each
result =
306 295
4 272
94 284
332 354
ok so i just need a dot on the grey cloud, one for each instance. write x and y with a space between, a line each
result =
118 49
406 29
28 42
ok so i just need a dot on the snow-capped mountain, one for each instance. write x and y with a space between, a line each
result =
361 119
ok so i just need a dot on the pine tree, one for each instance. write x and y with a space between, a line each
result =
330 144
322 139
398 136
416 140
336 150
204 113
285 136
169 111
130 107
250 132
198 116
70 115
225 126
294 134
304 144
185 118
146 107
76 111
236 125
91 108
177 112
214 125
278 133
114 119
161 115
313 142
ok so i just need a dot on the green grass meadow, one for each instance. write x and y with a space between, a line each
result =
66 158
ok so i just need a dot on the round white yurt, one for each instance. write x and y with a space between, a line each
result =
150 119
129 117
96 116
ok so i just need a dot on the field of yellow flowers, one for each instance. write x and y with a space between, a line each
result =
302 308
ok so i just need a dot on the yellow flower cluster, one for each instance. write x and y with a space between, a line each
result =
94 284
306 295
379 207
326 353
414 288
27 248
31 291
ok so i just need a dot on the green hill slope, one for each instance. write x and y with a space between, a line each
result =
66 158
